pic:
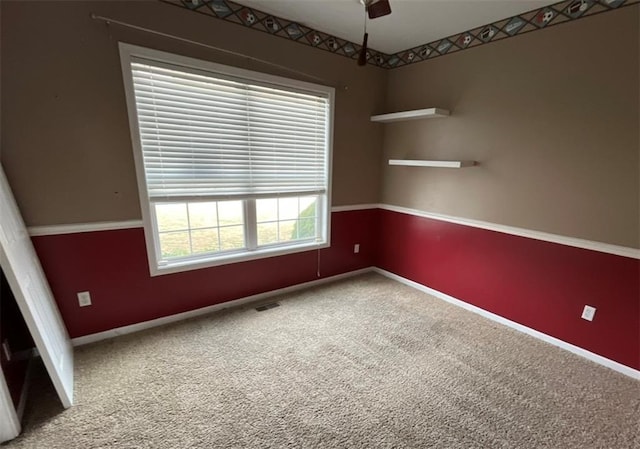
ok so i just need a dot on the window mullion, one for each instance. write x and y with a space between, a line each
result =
321 216
250 225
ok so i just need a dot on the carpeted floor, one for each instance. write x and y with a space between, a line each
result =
361 363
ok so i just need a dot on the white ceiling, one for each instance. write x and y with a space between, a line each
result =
412 22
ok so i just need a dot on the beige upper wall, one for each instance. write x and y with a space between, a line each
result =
552 117
66 146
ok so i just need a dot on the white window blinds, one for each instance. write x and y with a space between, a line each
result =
207 135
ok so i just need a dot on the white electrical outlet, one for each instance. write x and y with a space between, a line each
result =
356 248
84 299
588 313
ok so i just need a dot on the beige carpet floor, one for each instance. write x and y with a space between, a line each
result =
361 363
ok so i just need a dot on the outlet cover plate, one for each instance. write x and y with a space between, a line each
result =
356 248
84 299
588 313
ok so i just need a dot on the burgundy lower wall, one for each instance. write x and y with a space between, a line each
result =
539 284
113 266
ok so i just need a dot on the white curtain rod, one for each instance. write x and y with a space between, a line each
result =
110 21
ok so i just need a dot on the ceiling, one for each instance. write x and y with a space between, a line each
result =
412 22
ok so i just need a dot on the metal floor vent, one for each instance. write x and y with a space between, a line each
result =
271 305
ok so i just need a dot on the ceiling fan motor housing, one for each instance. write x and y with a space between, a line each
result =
377 8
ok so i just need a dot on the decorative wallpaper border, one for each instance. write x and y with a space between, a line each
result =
537 19
258 20
561 12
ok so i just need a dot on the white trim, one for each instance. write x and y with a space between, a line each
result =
619 367
92 338
324 219
607 248
512 230
148 223
83 227
9 422
235 257
354 207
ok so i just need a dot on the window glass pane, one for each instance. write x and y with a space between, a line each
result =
174 244
232 237
286 230
297 219
204 241
306 228
267 209
230 213
308 205
203 215
267 233
288 208
172 216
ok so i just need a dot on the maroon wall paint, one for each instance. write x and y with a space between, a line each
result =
113 266
538 284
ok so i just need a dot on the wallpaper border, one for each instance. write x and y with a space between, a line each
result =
562 12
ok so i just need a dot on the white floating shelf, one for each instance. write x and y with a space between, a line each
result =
439 164
410 115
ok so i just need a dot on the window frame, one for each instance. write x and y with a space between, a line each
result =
151 231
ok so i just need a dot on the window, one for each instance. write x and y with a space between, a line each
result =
232 165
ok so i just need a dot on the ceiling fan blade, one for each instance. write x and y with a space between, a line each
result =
362 57
379 9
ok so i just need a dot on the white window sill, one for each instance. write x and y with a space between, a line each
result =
177 266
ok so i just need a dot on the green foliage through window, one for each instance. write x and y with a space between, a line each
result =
305 226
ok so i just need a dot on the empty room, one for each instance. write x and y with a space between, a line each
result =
320 224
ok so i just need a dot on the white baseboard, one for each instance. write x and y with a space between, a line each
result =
92 338
619 367
628 371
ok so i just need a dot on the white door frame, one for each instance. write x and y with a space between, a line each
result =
9 422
